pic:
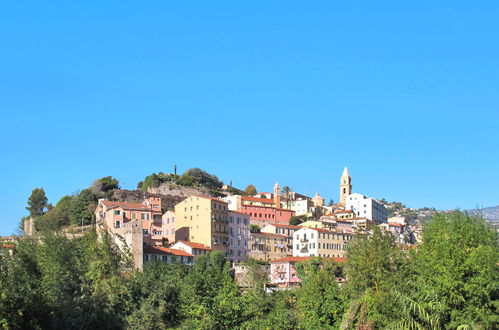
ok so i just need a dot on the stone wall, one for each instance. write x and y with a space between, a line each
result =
168 201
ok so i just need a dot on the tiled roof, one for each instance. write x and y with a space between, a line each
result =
165 251
346 211
270 234
128 206
285 226
325 230
257 199
394 224
298 259
212 198
195 245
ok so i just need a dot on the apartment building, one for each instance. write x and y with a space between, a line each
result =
238 236
169 226
204 220
317 242
268 246
286 230
367 207
129 224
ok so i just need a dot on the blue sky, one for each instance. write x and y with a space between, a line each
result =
405 94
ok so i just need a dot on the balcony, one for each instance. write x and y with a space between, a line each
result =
304 240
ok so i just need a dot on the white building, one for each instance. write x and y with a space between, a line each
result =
317 242
301 206
367 207
238 236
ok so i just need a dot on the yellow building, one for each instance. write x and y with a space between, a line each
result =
312 224
268 246
204 220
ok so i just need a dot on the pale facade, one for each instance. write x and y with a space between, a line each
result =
315 242
191 247
302 206
367 207
268 246
286 230
169 226
238 236
204 220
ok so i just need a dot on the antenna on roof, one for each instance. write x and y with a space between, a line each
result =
175 169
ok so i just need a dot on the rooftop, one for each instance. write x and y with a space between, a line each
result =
165 251
195 245
298 259
257 199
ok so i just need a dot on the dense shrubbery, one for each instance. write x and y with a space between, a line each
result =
452 280
193 177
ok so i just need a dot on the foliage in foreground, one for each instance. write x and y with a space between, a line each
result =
450 282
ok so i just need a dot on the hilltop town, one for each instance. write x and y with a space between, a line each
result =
170 218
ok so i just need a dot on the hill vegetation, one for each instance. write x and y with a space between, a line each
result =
451 281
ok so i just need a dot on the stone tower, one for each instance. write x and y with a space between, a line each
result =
345 186
277 195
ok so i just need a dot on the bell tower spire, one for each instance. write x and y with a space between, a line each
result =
345 186
277 195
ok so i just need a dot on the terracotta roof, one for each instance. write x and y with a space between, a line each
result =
209 197
342 221
346 211
257 199
298 259
7 246
284 226
270 234
195 245
165 251
395 224
325 230
269 207
128 206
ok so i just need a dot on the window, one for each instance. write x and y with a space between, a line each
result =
117 212
297 246
144 231
133 215
117 224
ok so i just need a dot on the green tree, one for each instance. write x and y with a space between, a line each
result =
319 301
457 262
83 207
254 229
37 202
374 267
286 191
250 190
104 187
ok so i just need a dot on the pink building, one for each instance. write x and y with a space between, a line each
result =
263 215
283 273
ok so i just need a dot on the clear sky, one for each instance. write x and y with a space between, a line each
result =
404 93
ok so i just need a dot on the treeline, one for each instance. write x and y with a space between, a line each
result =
451 281
71 210
194 177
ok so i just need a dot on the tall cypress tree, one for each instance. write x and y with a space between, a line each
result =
37 202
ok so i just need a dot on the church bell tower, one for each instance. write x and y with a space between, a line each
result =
345 186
